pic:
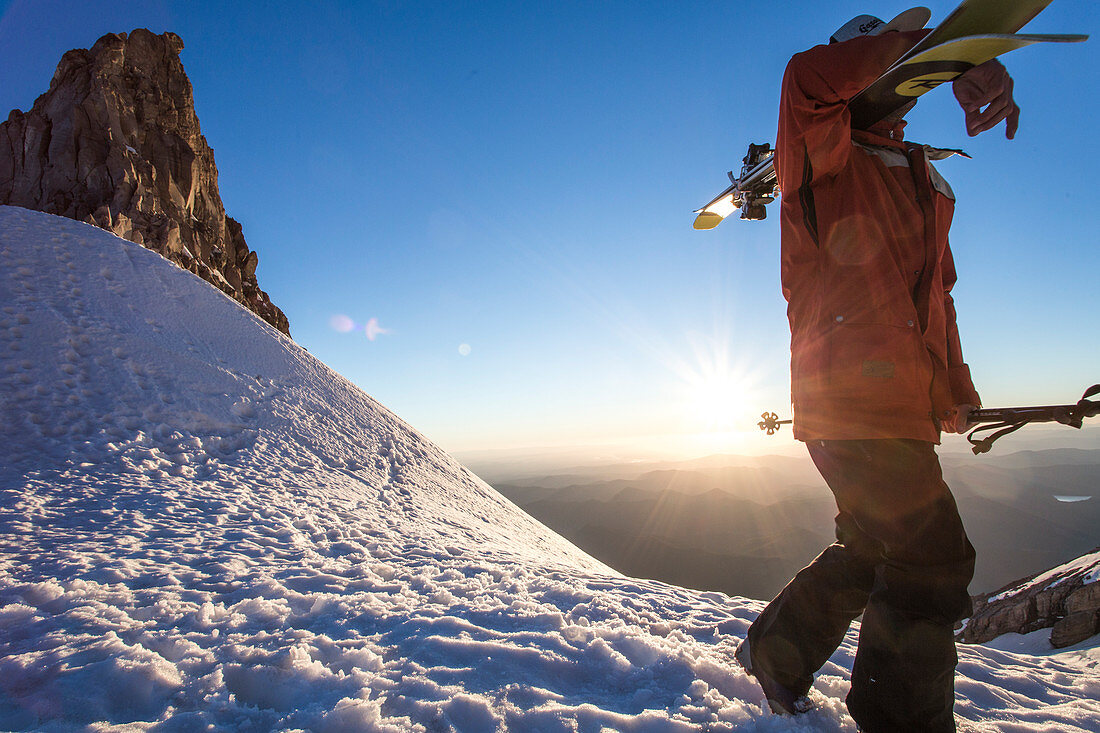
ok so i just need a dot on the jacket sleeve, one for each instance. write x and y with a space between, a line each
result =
814 138
958 373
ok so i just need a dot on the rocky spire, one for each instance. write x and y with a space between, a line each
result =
115 142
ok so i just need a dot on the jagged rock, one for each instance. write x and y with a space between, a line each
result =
1073 628
116 142
1015 615
1085 598
1065 599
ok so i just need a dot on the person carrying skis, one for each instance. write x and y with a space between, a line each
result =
877 373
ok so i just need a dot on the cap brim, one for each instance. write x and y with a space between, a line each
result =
912 19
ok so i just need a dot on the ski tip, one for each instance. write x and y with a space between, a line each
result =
707 220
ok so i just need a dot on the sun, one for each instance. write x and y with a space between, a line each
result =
717 391
718 402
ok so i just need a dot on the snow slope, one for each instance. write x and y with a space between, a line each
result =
1086 568
202 526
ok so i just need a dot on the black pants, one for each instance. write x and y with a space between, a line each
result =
903 560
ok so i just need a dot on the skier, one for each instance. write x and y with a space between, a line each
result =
877 373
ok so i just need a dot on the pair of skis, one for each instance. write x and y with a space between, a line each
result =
999 421
975 32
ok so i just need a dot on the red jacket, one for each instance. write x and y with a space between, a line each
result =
866 267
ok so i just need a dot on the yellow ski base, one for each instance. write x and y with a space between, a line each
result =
707 220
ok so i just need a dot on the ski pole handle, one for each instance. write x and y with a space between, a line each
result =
999 422
1066 414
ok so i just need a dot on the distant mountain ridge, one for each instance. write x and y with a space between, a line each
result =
1008 504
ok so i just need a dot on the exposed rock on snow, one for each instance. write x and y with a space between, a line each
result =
1065 599
116 142
202 527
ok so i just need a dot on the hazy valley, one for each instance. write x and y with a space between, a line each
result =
745 525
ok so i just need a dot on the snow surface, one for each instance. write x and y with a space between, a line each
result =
1038 643
1086 567
203 527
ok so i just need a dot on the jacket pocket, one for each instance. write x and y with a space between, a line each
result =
884 364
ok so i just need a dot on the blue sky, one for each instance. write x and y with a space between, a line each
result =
506 189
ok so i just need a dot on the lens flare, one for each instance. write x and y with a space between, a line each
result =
723 207
373 330
345 324
341 323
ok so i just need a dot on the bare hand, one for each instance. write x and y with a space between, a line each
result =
959 419
985 94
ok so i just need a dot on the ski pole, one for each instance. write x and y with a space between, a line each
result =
1005 420
1000 420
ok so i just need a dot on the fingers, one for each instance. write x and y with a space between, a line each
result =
974 93
985 95
962 420
1004 108
957 420
1012 121
1000 107
979 121
949 423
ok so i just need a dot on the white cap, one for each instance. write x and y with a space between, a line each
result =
868 25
